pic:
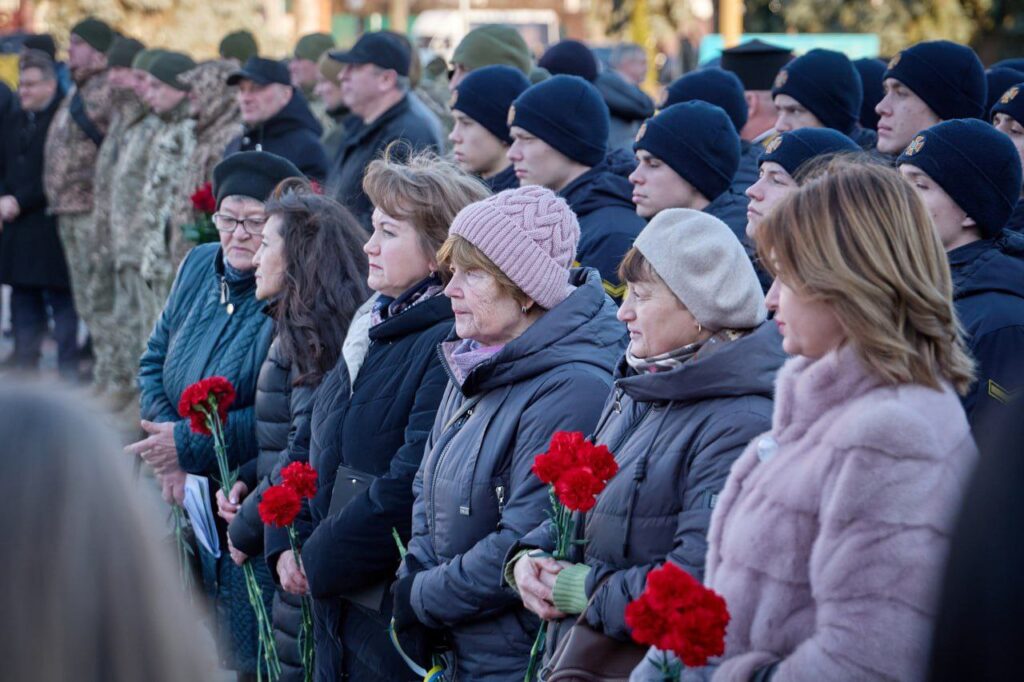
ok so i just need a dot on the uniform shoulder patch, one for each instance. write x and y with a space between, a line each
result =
1000 394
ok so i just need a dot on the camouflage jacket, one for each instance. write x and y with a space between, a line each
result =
127 109
218 121
170 151
129 181
70 155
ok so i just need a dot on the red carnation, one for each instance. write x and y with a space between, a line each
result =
301 478
203 199
203 398
678 614
599 461
279 506
577 489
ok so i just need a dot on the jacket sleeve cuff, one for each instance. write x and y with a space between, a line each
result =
510 568
570 591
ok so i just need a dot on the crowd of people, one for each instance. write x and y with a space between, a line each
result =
789 299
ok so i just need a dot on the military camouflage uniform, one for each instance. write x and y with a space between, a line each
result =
100 287
170 151
70 163
218 122
128 229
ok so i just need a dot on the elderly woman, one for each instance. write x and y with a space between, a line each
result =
311 272
213 325
829 538
393 383
532 353
778 167
693 388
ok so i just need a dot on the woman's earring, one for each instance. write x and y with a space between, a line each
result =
523 309
699 328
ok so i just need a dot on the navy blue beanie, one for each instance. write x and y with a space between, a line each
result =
975 164
1016 63
485 95
947 76
715 86
698 141
791 149
826 84
999 81
871 73
570 57
1011 102
568 113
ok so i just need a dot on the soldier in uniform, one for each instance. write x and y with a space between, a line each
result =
218 121
127 184
72 144
127 107
172 146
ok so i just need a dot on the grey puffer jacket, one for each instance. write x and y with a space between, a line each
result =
675 435
475 493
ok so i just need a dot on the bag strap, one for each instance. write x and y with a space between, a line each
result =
81 117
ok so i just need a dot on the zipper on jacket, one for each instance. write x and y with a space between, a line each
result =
499 492
225 296
639 474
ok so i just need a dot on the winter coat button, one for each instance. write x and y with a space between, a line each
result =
766 448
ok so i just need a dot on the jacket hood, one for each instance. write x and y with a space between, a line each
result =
605 184
295 116
746 366
217 104
989 265
624 100
581 329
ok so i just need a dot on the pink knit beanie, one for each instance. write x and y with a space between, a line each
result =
530 234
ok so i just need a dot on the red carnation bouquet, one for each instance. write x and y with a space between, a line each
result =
279 507
576 472
676 613
205 404
204 204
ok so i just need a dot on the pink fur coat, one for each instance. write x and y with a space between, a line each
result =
830 537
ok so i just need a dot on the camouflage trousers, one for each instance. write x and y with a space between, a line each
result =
136 308
91 269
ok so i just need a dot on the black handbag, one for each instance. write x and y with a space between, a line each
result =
349 484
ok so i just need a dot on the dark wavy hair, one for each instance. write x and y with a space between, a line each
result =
324 277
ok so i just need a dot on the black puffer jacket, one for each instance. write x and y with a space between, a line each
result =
282 417
397 390
675 435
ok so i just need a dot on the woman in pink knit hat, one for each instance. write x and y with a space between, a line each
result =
829 538
532 353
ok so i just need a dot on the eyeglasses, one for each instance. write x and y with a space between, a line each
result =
226 223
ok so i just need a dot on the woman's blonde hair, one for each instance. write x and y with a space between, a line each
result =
423 189
858 238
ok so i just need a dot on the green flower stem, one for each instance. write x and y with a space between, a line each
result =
306 632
